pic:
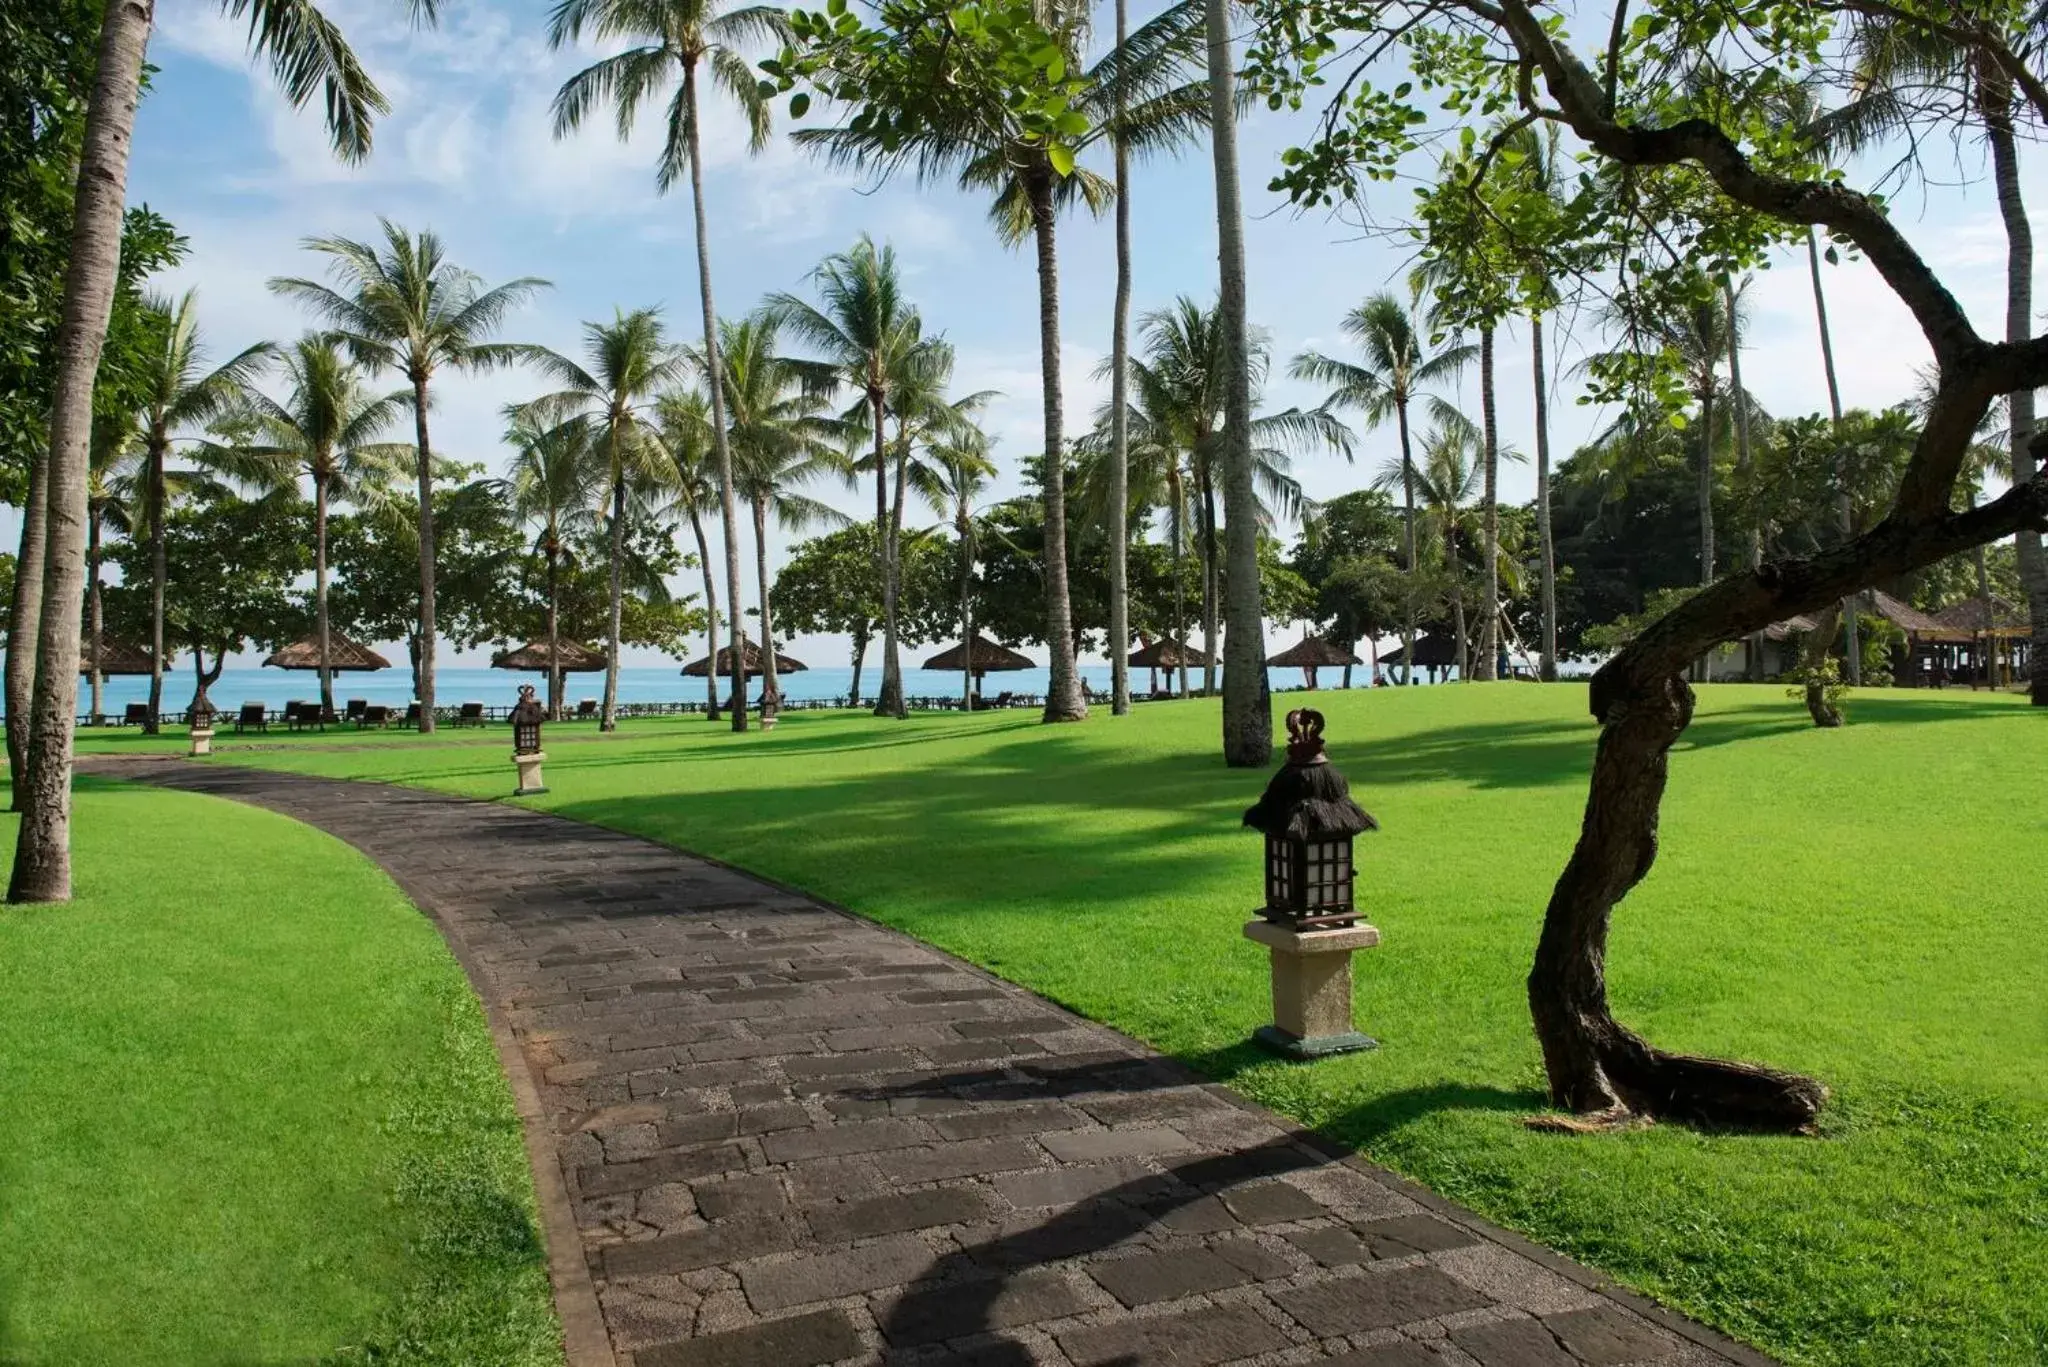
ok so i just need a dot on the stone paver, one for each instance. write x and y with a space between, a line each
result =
787 1137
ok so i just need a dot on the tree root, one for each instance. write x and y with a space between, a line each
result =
1712 1092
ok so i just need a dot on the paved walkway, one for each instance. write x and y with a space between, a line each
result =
780 1136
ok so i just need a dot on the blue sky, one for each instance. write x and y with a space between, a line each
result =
467 151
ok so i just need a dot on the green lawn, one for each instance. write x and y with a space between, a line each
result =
250 1112
1862 904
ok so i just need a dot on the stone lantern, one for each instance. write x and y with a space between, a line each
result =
526 751
201 733
1309 924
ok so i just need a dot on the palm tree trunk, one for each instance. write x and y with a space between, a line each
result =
96 621
1247 701
1546 668
769 689
1407 541
1484 664
159 573
609 719
425 669
860 655
1178 519
1119 416
1706 486
889 701
1852 648
24 625
1206 488
320 591
1063 698
966 530
711 613
42 858
714 380
1753 646
1463 642
2019 308
554 626
892 584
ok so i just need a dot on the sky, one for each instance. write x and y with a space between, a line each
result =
468 151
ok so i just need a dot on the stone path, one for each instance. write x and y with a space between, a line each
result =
769 1134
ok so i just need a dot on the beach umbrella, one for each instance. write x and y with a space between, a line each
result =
532 658
1311 654
343 655
978 657
116 657
1169 654
750 660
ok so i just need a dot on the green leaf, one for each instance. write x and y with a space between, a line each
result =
799 104
1062 158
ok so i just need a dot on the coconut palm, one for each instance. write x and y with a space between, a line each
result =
629 364
678 41
781 440
326 430
1395 373
952 480
684 419
306 53
109 506
1140 92
555 478
405 307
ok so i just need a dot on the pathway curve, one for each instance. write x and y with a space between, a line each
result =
770 1134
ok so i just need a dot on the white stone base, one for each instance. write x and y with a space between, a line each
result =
529 774
202 740
1312 986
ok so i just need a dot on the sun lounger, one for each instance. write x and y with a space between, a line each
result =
252 717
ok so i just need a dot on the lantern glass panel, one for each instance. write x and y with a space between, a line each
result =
1328 882
526 738
1280 882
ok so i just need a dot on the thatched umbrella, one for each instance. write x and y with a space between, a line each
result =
116 657
1169 655
750 660
1311 654
1431 652
343 655
984 657
572 657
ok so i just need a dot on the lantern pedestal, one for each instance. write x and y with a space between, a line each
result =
202 740
1312 988
529 774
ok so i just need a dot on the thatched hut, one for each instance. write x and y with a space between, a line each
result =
572 657
116 656
343 655
750 662
978 657
1432 652
1310 654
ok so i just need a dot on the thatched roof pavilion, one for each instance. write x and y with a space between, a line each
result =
116 657
1430 651
1310 654
572 657
1167 653
985 657
342 655
1979 618
750 660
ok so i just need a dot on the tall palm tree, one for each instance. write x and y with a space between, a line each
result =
870 336
952 482
556 476
679 41
684 418
109 506
406 307
781 440
984 147
629 364
306 53
1396 372
326 430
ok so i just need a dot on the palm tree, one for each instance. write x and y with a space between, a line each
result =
630 363
408 308
325 430
955 477
870 335
110 488
555 479
306 53
1396 372
982 145
676 40
684 419
780 441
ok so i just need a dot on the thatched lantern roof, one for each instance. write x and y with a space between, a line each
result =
750 660
342 654
573 657
1308 796
1167 653
985 655
116 657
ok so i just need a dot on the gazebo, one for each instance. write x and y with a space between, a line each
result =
343 655
1310 654
1998 633
978 657
571 657
116 657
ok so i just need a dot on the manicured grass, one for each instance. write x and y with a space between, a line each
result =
1864 905
250 1112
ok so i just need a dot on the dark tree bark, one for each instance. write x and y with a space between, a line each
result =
154 498
1407 540
711 616
1119 416
95 620
24 625
1814 657
860 654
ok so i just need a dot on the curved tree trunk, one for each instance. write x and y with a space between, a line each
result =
1852 647
1407 540
860 654
1813 659
1484 666
1119 416
155 496
320 591
889 700
608 719
2019 308
554 626
1247 701
24 625
42 853
770 695
95 624
711 615
1063 698
427 639
1546 544
714 380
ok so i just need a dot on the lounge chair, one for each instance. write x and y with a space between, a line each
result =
470 714
251 717
373 714
135 714
355 708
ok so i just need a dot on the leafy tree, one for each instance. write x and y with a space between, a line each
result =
1349 556
678 41
405 307
827 586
